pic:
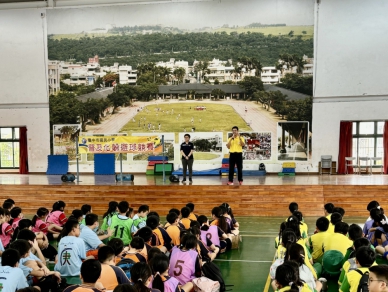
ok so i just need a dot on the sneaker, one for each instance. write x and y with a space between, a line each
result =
184 180
240 182
230 183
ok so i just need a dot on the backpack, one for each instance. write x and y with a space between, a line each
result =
126 265
204 284
363 285
211 271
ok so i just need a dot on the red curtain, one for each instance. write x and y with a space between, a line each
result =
385 147
23 155
345 146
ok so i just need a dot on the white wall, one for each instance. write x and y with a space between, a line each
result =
23 75
350 48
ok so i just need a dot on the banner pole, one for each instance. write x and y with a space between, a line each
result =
164 173
121 166
77 156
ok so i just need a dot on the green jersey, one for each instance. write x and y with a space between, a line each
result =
106 222
121 226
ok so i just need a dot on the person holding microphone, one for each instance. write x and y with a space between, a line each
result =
235 145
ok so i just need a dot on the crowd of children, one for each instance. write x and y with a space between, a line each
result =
128 252
336 251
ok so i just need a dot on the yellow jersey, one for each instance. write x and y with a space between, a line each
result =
351 281
235 144
330 229
337 241
304 288
316 244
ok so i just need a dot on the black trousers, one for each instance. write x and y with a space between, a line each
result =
187 163
235 158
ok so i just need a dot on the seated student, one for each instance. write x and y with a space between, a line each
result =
287 278
214 234
350 264
6 230
379 238
31 237
107 217
302 226
192 216
369 224
39 224
36 267
141 277
160 236
339 210
338 241
118 247
220 221
12 277
334 219
378 278
136 248
147 234
121 224
185 264
8 204
278 239
57 215
365 258
328 209
111 276
288 237
16 216
76 214
125 288
139 220
86 209
173 230
180 225
90 274
316 240
231 227
208 252
185 211
230 215
354 233
130 213
71 250
293 206
88 235
162 280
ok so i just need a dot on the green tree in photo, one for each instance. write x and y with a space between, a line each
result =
251 85
218 92
179 74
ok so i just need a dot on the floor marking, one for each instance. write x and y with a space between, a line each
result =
244 261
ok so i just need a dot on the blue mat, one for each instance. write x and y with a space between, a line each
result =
57 164
207 172
104 164
254 172
155 158
225 160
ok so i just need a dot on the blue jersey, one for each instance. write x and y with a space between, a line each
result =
26 270
12 279
90 238
71 252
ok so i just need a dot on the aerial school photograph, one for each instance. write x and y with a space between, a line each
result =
168 146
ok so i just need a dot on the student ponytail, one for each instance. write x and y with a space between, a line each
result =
228 209
67 228
41 212
159 265
58 205
222 223
287 274
112 207
294 224
288 237
202 219
295 252
140 273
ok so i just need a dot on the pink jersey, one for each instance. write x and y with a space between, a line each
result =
40 226
15 223
170 284
56 217
212 234
6 233
182 265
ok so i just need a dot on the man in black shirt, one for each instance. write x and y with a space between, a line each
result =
187 149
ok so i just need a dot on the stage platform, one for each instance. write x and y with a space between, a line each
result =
258 196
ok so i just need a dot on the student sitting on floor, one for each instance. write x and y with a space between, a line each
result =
8 204
146 234
231 227
57 215
214 234
287 278
6 230
293 206
192 216
350 264
173 230
39 224
302 226
334 219
180 225
354 233
141 277
89 236
90 275
136 248
328 210
278 239
365 257
207 253
185 211
16 216
86 209
378 278
316 240
288 237
160 236
121 224
338 241
12 277
107 217
230 215
162 280
369 226
118 247
379 238
31 237
71 250
139 220
125 288
220 221
111 276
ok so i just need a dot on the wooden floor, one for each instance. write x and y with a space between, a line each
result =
259 196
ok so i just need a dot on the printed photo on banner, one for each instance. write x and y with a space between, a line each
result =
257 145
64 140
169 140
207 145
294 141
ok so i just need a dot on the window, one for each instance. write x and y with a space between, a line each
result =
9 147
368 139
